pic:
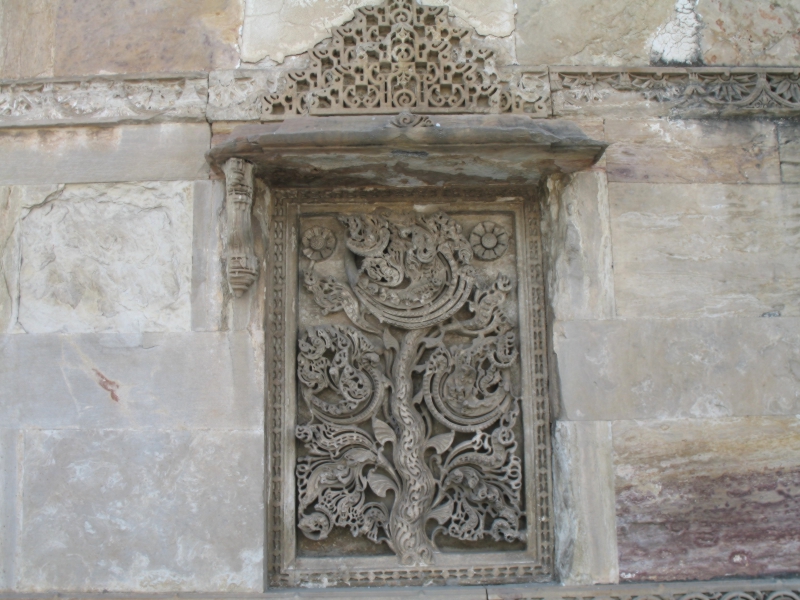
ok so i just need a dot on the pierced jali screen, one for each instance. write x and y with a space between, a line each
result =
407 405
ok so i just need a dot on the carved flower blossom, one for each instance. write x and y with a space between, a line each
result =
318 243
489 240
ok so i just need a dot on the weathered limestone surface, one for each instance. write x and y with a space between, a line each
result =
14 202
275 29
580 280
142 511
704 499
789 143
27 31
750 32
69 37
8 505
208 275
678 368
164 152
585 522
705 250
117 381
103 257
709 151
586 32
611 32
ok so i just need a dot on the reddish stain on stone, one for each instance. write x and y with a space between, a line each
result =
701 527
108 385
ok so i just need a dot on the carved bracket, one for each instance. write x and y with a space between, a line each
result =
242 264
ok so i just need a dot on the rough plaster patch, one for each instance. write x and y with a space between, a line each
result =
275 29
678 42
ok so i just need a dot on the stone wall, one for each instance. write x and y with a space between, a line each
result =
132 382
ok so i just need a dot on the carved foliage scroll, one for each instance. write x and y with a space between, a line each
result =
411 408
398 56
242 264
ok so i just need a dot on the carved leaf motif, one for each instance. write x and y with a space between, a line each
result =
443 512
380 484
383 433
441 442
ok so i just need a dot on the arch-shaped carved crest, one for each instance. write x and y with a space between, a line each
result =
401 56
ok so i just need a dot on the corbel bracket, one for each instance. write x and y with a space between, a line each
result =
242 264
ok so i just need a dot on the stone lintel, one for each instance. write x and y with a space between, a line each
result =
408 150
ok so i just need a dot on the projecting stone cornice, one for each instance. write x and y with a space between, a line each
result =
554 91
408 150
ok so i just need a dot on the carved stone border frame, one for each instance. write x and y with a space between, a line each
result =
283 568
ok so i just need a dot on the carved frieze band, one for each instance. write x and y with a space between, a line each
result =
558 91
97 100
241 261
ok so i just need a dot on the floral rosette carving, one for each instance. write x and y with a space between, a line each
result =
415 398
318 243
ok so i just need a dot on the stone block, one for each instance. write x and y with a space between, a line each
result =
14 201
27 31
789 144
9 441
208 270
585 521
701 499
678 368
276 29
106 257
146 36
582 32
709 151
705 250
164 152
120 381
580 277
750 32
142 511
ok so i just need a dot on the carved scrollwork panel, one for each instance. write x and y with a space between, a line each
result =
418 416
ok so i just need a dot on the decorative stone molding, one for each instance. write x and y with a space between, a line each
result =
389 58
679 92
242 264
240 95
380 308
757 589
97 100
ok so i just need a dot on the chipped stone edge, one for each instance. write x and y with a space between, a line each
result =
769 589
569 91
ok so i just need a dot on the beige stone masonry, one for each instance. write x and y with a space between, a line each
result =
163 152
585 521
99 257
678 368
705 250
692 151
148 511
151 381
789 139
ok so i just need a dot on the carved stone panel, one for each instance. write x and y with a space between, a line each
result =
407 405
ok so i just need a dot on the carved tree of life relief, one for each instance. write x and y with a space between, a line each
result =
416 415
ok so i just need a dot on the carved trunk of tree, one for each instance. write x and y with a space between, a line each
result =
407 520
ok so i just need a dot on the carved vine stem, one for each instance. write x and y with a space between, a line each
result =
242 264
407 521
